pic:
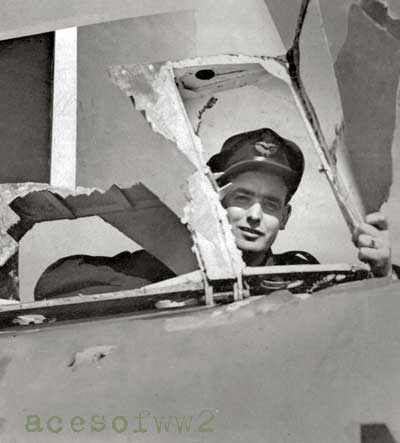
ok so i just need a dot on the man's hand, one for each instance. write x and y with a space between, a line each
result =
372 239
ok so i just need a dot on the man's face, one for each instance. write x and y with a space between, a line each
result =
256 209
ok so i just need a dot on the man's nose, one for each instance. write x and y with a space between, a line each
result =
254 213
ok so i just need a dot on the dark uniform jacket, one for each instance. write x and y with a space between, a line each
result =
84 274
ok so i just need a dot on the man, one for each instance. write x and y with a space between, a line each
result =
259 172
265 170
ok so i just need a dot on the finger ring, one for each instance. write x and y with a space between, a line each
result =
372 243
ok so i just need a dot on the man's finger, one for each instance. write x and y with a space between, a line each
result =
368 229
377 258
374 225
378 220
380 266
367 241
365 229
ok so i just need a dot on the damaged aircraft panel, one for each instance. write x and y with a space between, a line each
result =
368 70
315 370
154 92
159 91
135 211
356 126
316 89
308 69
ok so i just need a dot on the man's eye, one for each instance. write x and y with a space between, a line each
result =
269 205
241 198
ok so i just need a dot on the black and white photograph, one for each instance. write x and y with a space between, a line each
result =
200 221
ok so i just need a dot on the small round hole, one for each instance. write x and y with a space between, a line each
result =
205 74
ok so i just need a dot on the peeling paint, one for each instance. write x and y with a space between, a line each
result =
90 356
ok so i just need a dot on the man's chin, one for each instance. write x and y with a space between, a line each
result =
249 246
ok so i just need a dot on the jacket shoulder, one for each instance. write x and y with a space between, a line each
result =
85 274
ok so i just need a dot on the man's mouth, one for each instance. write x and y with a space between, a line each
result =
250 233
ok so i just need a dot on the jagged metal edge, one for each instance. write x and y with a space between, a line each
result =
11 191
310 117
161 75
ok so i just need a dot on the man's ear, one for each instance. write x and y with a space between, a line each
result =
287 210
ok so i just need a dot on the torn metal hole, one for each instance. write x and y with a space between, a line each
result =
134 211
205 74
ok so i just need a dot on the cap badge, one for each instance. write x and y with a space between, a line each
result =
266 149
